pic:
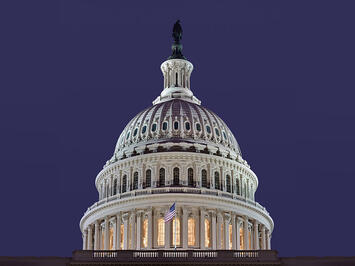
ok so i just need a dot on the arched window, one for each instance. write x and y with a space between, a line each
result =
228 181
190 177
175 230
176 125
208 240
191 231
148 178
217 185
115 186
135 180
237 186
161 177
165 125
204 178
176 180
124 184
161 232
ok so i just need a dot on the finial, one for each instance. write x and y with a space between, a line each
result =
177 46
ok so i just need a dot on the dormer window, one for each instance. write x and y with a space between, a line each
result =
154 127
128 135
208 129
144 129
187 126
198 127
135 132
217 131
176 125
165 125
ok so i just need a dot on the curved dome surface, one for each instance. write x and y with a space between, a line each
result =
177 121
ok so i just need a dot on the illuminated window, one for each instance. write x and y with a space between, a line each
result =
122 235
148 178
176 231
161 232
161 177
176 176
241 237
230 236
102 238
145 234
135 180
130 235
207 233
111 238
249 237
190 177
204 178
191 226
222 236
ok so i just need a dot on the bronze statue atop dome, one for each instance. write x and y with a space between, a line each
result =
177 46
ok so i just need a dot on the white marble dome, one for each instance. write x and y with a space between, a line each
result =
178 153
177 122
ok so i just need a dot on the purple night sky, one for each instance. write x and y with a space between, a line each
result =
280 74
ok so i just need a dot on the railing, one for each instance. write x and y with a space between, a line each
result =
269 256
190 190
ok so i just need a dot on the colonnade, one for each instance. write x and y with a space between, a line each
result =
192 228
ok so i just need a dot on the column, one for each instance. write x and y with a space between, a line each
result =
219 231
96 240
246 233
234 233
118 232
214 231
237 229
184 228
139 228
202 228
263 237
268 239
107 234
133 231
85 235
150 229
256 235
226 232
125 231
89 247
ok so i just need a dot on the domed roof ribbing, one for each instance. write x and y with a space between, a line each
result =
177 121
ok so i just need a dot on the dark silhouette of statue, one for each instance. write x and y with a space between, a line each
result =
177 46
177 32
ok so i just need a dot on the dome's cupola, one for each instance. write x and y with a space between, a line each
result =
177 72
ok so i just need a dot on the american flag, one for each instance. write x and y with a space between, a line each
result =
170 214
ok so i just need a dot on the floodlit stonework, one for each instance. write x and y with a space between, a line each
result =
176 151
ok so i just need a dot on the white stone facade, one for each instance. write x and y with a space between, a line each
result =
176 151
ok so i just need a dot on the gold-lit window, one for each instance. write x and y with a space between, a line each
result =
222 236
191 226
230 236
122 235
102 238
145 233
161 232
111 239
207 233
241 237
130 236
249 237
176 231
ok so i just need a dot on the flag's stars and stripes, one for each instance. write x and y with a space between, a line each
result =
170 214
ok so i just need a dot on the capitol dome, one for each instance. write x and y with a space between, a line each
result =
176 157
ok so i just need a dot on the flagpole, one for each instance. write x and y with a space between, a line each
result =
175 228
